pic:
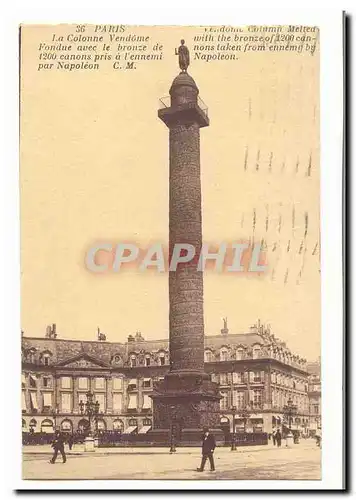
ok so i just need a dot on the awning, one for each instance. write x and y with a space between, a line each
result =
24 407
33 381
132 402
34 400
133 381
47 399
147 402
144 429
131 429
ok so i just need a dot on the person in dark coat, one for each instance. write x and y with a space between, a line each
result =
208 447
70 441
58 446
278 438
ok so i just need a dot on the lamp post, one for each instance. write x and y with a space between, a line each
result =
233 441
55 412
290 409
173 444
245 415
90 409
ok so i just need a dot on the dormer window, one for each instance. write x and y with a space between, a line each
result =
148 360
223 354
240 353
133 361
208 355
162 360
256 352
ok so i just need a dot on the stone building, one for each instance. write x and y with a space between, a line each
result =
256 372
314 395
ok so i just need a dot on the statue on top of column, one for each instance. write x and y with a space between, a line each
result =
183 56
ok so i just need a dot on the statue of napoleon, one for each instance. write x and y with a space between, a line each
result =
183 54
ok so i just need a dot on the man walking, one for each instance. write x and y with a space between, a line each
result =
208 447
58 446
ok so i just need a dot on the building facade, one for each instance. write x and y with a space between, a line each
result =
257 374
314 395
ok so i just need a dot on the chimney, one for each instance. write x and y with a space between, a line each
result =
130 338
225 330
54 330
48 331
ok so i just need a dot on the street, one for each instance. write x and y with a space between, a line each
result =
301 462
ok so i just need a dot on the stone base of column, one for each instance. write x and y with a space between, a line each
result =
186 402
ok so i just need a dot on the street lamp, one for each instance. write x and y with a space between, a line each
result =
245 415
173 445
91 410
55 412
290 409
233 441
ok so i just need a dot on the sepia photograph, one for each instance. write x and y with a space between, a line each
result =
171 253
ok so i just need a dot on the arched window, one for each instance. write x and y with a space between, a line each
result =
47 426
147 421
162 358
45 358
118 425
147 360
133 360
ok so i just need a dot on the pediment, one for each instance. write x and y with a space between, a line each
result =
83 361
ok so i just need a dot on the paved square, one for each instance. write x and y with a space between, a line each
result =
261 462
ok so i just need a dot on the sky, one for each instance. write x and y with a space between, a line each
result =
94 167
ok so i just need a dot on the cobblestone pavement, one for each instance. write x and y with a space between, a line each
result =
260 462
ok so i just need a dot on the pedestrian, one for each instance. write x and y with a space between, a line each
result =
274 437
70 441
278 438
58 446
208 447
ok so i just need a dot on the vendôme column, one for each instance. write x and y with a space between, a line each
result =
186 400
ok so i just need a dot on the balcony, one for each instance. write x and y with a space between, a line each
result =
196 111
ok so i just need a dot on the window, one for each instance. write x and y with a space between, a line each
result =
100 383
132 385
148 361
100 398
33 381
223 379
46 360
132 402
118 425
239 399
24 406
47 400
240 353
116 359
208 355
256 352
162 359
132 422
223 355
82 397
66 382
46 381
83 383
33 400
257 377
316 409
133 361
117 383
224 401
147 383
66 401
117 402
147 402
237 378
256 398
